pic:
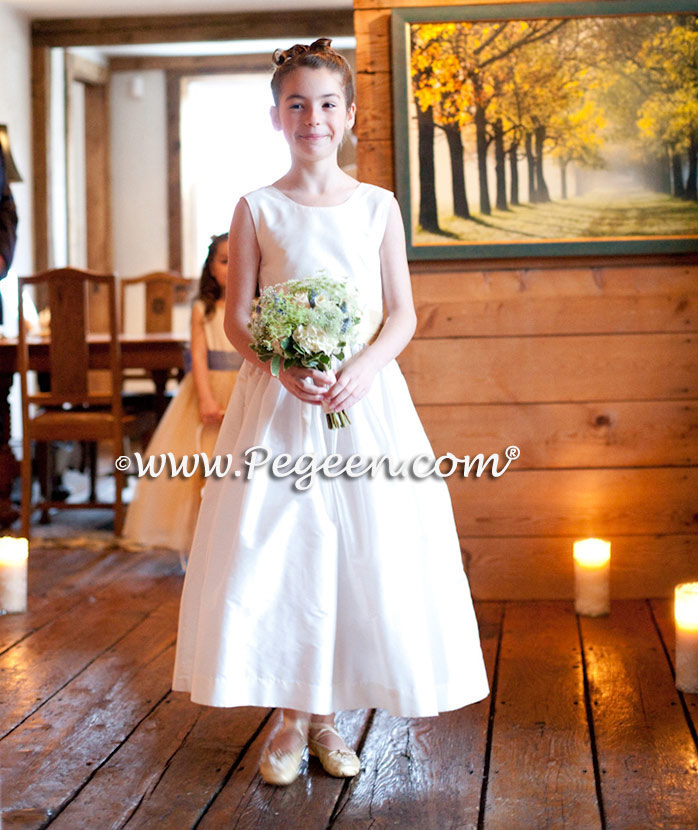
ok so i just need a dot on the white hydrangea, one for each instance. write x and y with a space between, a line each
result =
313 339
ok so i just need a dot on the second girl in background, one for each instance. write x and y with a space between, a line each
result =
164 509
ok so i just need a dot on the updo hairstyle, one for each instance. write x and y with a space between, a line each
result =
319 55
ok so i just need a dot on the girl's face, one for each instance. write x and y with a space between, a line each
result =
219 263
313 113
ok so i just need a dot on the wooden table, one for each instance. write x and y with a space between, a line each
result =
157 353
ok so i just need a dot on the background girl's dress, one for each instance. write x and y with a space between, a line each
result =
163 510
351 593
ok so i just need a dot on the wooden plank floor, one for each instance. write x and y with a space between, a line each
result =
584 728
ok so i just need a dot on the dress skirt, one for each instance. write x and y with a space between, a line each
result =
164 509
347 594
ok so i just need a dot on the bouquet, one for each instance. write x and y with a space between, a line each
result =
305 322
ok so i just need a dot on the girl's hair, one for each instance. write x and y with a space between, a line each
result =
209 290
319 55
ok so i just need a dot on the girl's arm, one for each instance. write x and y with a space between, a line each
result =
355 378
243 270
209 410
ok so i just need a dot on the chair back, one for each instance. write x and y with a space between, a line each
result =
160 296
70 358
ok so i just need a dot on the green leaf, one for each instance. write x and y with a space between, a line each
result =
276 365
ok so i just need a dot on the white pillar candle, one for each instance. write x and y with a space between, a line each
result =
13 575
592 558
686 619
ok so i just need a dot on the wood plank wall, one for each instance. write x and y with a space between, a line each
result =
589 366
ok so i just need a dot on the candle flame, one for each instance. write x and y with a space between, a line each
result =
13 550
686 606
592 553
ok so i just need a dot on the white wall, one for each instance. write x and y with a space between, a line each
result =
15 111
139 172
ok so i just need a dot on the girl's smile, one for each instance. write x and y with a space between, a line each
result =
312 112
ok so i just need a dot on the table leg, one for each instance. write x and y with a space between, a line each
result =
9 466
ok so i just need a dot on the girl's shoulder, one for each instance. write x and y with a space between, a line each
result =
376 191
364 192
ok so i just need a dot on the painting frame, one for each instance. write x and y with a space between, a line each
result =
406 170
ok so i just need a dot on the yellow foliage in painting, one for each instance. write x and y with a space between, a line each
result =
585 80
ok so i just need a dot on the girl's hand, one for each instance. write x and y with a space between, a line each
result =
308 385
354 380
210 412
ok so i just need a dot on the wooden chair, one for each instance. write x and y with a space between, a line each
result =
70 411
162 293
161 290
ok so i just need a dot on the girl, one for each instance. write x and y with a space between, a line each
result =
350 593
164 509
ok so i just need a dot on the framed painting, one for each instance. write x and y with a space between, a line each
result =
547 129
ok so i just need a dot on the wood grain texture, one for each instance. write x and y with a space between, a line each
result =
559 435
396 4
193 64
556 301
98 179
256 804
40 88
540 567
375 163
82 575
647 756
95 31
552 369
541 769
374 113
416 766
174 182
110 746
581 503
45 661
89 717
176 760
372 30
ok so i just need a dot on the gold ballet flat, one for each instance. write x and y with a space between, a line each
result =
341 763
281 766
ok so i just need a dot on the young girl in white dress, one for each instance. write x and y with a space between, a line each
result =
349 593
164 509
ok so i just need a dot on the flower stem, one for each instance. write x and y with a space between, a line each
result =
336 420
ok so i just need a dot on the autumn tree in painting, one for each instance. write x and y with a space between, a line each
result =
561 90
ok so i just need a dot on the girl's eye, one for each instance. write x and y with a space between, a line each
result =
330 104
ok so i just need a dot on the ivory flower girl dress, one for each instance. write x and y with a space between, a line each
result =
351 593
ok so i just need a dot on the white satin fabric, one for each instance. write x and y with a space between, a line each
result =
351 593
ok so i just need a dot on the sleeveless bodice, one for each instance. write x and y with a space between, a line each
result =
344 240
216 339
